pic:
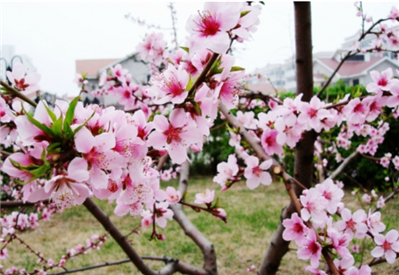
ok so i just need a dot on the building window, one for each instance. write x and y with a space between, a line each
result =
355 82
358 57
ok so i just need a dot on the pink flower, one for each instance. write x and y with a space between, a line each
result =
227 90
4 254
340 242
374 223
153 48
332 193
356 248
310 249
394 14
295 229
173 196
170 86
205 197
255 173
314 205
226 171
162 214
175 135
147 218
209 28
364 270
221 214
97 151
312 114
28 83
5 112
387 245
353 224
251 268
269 142
315 271
382 81
68 189
119 72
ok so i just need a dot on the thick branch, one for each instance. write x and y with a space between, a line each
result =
208 251
343 165
118 237
172 266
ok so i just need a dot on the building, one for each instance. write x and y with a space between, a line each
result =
93 68
8 57
355 70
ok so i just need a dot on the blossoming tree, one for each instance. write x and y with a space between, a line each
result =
56 158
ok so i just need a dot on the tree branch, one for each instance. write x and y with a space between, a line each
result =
17 94
207 249
342 166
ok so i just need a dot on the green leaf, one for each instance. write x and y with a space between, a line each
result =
84 123
191 82
42 127
39 172
23 167
53 146
70 113
50 113
244 13
215 203
197 108
68 132
186 49
57 127
236 68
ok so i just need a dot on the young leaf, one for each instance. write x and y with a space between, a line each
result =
57 127
42 127
84 123
70 113
50 113
215 203
53 146
236 68
39 172
197 108
186 49
244 13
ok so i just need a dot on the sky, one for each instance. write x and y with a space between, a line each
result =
56 34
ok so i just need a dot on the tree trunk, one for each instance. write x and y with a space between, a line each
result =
303 170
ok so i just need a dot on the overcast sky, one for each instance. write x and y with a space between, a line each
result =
54 35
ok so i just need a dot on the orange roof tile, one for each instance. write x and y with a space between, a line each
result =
92 66
350 67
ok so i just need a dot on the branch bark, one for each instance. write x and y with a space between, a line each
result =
208 251
343 165
303 170
172 265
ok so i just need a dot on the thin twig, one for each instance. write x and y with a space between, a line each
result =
17 94
92 267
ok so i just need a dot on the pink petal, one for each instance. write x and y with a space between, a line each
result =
178 153
391 236
84 140
377 252
77 170
390 256
178 118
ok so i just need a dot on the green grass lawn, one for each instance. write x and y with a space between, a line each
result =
252 218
